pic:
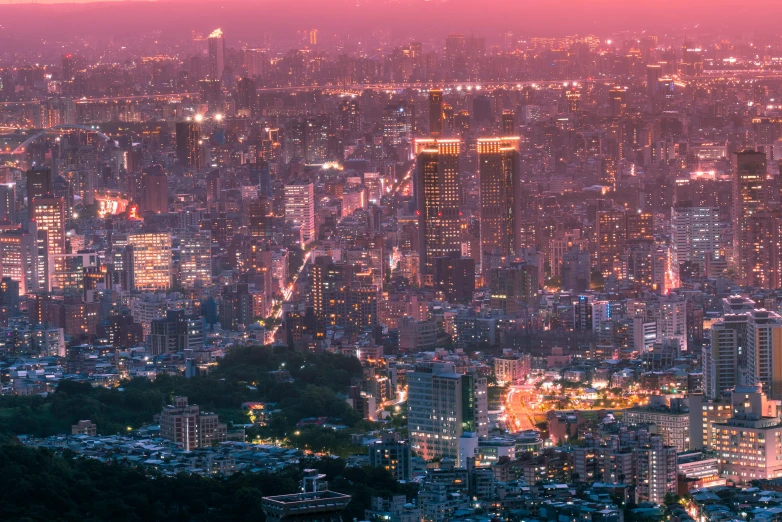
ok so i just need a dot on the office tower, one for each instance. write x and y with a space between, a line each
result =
443 406
48 212
151 256
764 352
437 200
748 442
246 95
313 36
695 234
392 454
722 356
611 239
653 75
300 208
195 259
498 160
186 425
216 44
155 184
8 203
39 183
188 144
436 114
508 123
749 198
617 101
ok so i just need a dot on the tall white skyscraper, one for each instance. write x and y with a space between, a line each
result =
672 320
216 54
300 208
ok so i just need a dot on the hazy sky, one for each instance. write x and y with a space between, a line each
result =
419 18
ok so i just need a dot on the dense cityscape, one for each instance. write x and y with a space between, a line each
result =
324 277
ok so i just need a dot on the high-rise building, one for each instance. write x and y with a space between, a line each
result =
186 425
188 144
749 198
498 159
48 213
436 114
617 102
611 239
443 406
722 356
653 75
300 208
151 265
8 203
216 43
764 352
508 123
437 199
195 259
39 183
392 454
672 320
695 234
155 184
748 442
246 95
19 259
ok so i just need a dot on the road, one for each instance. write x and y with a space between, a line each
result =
286 294
520 415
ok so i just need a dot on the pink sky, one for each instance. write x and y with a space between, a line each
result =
417 18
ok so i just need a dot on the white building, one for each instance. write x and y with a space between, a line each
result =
300 208
442 406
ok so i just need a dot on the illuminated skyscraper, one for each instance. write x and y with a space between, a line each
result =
216 54
749 198
436 115
48 212
499 185
188 144
300 208
195 259
695 234
151 260
437 198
